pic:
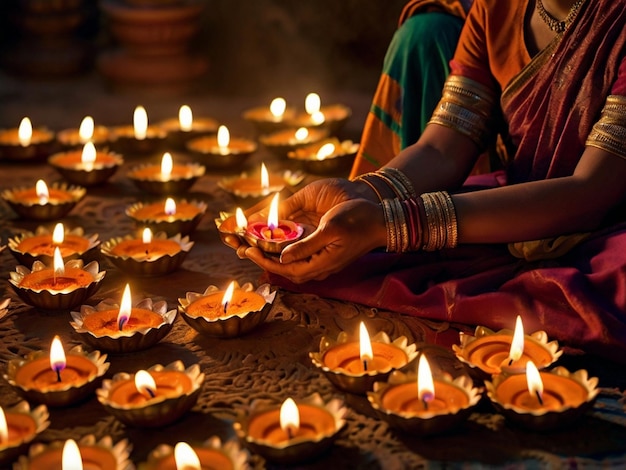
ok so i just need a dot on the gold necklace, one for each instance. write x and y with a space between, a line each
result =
555 25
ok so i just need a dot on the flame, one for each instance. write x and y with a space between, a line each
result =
517 344
365 345
57 355
185 457
4 427
265 178
126 307
85 131
325 151
278 107
223 137
289 417
41 188
146 235
318 118
272 217
88 156
302 133
228 295
166 166
25 132
140 123
58 235
57 263
533 380
185 118
425 384
312 103
71 460
170 206
240 218
145 384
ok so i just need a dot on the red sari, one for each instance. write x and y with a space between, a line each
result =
550 103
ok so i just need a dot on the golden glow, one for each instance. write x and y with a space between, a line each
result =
146 235
140 123
289 417
312 103
145 383
88 156
170 206
223 138
167 164
365 345
85 131
185 457
425 383
4 427
318 118
240 218
126 307
71 460
325 151
41 188
228 295
517 344
57 263
57 355
185 118
533 380
278 107
265 178
272 217
58 235
302 133
25 132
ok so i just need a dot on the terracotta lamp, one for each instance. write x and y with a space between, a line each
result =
268 119
169 216
167 177
87 132
86 166
26 143
332 117
211 453
221 152
43 202
255 186
187 127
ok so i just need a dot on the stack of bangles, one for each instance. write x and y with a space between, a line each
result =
426 222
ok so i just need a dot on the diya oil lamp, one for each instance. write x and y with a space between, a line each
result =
153 397
86 166
221 152
87 132
543 400
209 454
353 365
421 404
274 235
58 286
88 453
292 432
256 186
227 314
332 117
168 216
326 156
140 138
43 202
269 119
148 255
56 378
19 425
29 247
166 178
121 327
187 127
505 351
26 143
281 142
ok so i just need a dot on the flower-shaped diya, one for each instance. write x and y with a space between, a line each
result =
152 398
168 216
543 400
42 202
19 425
58 286
506 351
326 156
122 328
56 378
26 143
221 152
148 255
29 247
140 138
421 404
166 178
353 365
86 166
227 314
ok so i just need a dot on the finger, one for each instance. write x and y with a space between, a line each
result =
232 241
305 248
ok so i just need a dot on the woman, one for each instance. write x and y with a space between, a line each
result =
556 71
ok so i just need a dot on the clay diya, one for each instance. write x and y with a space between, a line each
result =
91 453
87 132
42 202
152 398
166 178
292 432
19 426
209 454
227 314
58 286
86 166
333 117
147 255
267 119
423 405
506 351
26 143
29 247
281 142
353 365
168 216
140 138
121 327
256 186
326 156
544 400
55 378
221 152
187 127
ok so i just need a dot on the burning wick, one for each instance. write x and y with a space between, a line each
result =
517 344
365 346
533 381
58 268
145 384
57 357
426 385
289 418
228 295
125 308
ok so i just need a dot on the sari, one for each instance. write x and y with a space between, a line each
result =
552 103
